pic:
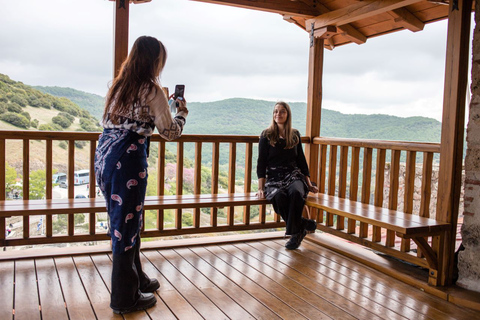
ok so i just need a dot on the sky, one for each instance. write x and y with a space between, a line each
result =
221 52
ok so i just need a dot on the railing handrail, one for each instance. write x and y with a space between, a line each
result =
380 144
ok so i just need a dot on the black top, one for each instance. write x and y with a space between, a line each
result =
278 156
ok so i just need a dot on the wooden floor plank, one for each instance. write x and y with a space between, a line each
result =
430 306
330 299
51 296
199 301
295 287
178 305
103 264
329 278
95 288
7 269
76 299
258 292
288 297
235 292
227 305
27 305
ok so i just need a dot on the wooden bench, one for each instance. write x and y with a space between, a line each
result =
405 226
27 208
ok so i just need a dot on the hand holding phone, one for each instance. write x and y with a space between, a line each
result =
179 91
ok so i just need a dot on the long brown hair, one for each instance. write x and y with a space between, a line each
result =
272 132
138 76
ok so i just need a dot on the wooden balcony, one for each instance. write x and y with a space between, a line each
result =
230 277
239 275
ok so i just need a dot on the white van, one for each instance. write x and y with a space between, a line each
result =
59 177
81 177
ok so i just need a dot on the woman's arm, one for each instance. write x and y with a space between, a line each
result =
261 188
262 165
168 127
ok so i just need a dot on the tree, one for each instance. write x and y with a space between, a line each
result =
10 178
37 184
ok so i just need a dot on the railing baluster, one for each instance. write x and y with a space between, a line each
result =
91 186
354 171
161 182
409 190
215 172
393 192
179 190
197 187
332 176
247 179
322 174
366 186
379 182
426 189
49 171
342 182
2 187
71 183
26 185
232 163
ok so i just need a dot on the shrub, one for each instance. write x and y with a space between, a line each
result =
15 119
19 99
63 145
34 123
26 115
68 116
62 121
45 127
14 107
80 144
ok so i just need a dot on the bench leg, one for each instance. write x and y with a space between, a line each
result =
434 256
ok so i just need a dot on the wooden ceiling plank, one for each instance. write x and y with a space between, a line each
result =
407 19
358 11
288 7
325 33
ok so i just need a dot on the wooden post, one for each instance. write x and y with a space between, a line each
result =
453 126
121 34
314 102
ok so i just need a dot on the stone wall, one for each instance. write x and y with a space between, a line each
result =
469 259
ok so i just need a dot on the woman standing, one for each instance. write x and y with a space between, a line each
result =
283 175
135 105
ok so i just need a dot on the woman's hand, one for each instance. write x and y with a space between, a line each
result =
313 188
261 194
181 104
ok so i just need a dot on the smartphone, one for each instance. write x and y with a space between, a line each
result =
179 90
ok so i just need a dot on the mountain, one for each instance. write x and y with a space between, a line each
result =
23 107
93 103
247 116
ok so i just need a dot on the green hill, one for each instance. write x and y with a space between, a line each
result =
247 116
93 103
25 108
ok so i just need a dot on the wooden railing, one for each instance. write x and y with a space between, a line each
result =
25 143
376 180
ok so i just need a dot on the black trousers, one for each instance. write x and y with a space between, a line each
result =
127 278
289 205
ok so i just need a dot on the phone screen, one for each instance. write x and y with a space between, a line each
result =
179 90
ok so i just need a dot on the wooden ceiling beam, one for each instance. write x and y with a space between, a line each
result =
358 11
407 20
347 29
353 34
286 7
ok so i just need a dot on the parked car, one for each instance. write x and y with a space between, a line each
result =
63 184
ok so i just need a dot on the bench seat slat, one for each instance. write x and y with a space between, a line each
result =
377 216
85 205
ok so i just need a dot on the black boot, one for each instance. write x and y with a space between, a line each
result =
309 224
296 240
145 301
126 296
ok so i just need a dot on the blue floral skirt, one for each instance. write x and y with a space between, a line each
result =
121 173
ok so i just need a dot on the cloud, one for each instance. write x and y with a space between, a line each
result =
221 52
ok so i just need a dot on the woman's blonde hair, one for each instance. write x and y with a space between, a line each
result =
138 76
272 132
